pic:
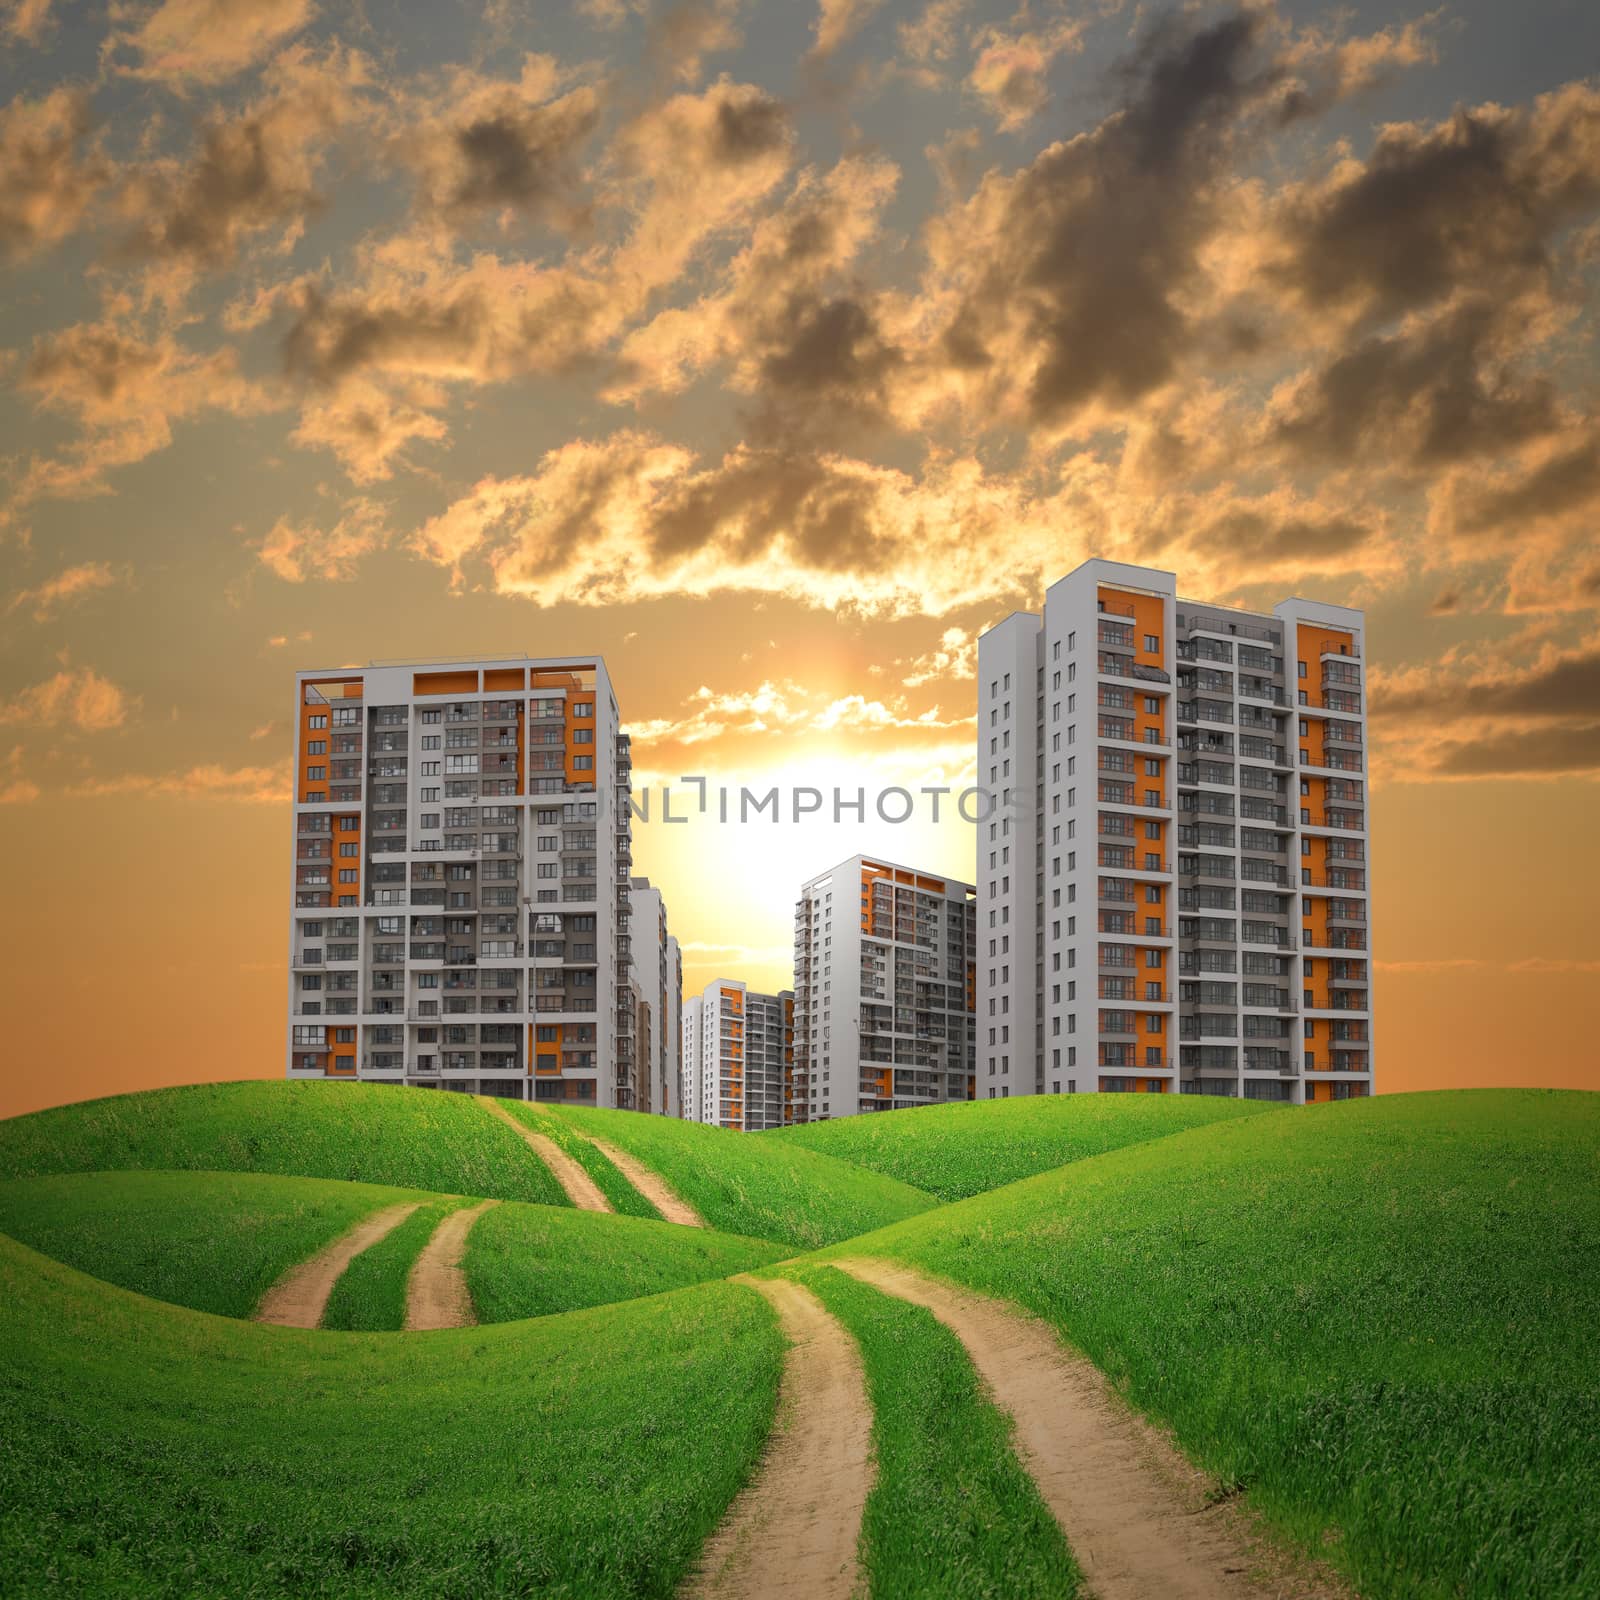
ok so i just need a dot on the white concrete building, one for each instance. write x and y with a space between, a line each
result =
738 1050
460 848
884 990
659 978
1173 888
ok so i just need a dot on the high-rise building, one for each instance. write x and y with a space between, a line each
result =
738 1052
1173 884
658 972
884 962
460 897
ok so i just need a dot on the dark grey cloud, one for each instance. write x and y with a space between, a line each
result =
826 517
49 170
1476 202
1428 394
1563 484
502 153
1535 752
1565 688
1074 269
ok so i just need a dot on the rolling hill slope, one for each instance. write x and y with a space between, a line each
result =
756 1185
214 1241
149 1449
373 1133
955 1151
1367 1314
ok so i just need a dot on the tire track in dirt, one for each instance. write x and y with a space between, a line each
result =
580 1188
792 1532
650 1184
1143 1522
436 1291
300 1296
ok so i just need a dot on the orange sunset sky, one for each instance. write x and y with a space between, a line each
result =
772 352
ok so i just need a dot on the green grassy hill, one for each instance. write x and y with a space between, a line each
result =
757 1185
216 1241
1374 1316
529 1261
959 1150
148 1449
368 1133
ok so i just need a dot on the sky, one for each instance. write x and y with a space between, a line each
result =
772 352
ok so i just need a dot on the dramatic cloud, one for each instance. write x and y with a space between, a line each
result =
376 357
1533 752
690 30
934 33
1543 492
1558 685
955 658
1009 73
787 709
631 517
48 171
76 697
838 21
1439 389
1472 203
1537 719
47 598
253 172
780 318
297 553
125 392
25 20
200 41
1061 287
15 789
486 147
257 786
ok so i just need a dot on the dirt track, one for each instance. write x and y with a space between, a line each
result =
436 1291
580 1188
300 1296
791 1533
650 1184
1142 1521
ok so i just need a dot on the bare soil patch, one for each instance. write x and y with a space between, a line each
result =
300 1296
792 1532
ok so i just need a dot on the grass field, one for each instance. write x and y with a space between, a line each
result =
624 1198
955 1151
756 1185
530 1261
1374 1316
216 1241
952 1513
368 1133
370 1294
148 1449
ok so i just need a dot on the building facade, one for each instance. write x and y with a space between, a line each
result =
658 974
738 1052
885 990
460 901
1174 879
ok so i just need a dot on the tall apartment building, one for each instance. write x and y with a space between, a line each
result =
460 908
1173 887
658 973
738 1051
884 962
